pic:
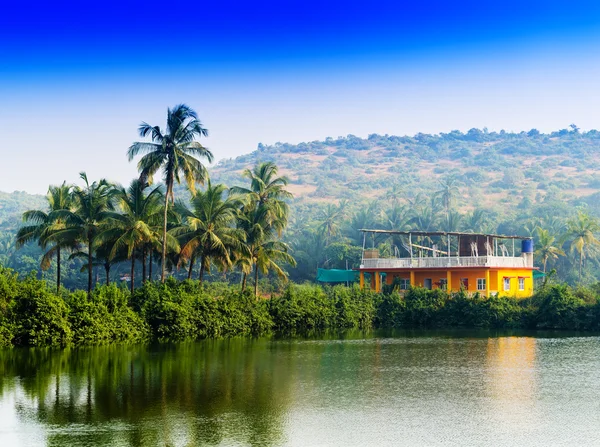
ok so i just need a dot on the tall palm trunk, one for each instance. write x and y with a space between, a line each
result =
132 272
58 270
244 278
191 267
143 265
90 262
256 280
150 266
107 270
164 241
580 263
202 268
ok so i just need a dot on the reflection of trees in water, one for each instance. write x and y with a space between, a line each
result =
196 393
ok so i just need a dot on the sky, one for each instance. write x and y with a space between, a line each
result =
77 78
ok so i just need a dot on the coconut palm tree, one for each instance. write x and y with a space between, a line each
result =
546 248
85 220
330 221
176 153
42 225
447 192
262 251
476 221
267 190
580 231
208 230
138 222
452 222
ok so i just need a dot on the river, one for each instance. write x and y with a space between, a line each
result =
453 388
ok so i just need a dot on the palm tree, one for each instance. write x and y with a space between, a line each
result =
137 224
581 231
546 248
424 219
42 226
175 152
84 222
476 221
267 191
261 249
452 222
330 221
448 190
208 228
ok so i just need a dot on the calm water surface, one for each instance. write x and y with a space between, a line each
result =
411 389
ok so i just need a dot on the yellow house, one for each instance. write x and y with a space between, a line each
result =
484 263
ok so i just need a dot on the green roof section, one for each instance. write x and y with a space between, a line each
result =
336 275
537 274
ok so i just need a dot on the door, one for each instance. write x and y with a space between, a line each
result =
427 283
464 283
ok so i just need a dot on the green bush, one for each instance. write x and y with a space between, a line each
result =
559 308
40 317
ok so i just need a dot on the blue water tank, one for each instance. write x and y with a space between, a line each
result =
527 246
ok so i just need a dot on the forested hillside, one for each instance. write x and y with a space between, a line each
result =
495 169
525 183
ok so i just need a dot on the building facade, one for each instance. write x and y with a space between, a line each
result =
484 263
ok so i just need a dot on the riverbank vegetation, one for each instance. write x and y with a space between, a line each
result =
32 313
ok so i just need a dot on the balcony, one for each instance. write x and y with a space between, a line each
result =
448 262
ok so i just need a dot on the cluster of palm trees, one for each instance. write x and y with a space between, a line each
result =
562 243
223 227
554 238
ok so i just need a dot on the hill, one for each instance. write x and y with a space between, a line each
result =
493 169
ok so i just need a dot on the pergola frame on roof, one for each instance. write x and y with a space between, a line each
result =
443 233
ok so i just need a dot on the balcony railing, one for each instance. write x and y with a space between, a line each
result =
446 262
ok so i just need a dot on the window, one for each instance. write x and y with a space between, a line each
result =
521 283
480 283
404 283
506 284
443 283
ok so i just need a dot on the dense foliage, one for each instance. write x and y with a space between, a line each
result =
33 314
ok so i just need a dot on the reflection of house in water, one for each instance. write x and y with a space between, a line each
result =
511 379
484 263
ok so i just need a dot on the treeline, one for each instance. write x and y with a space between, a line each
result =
105 224
32 314
568 243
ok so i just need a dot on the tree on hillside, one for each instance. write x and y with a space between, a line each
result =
330 221
42 225
176 153
447 192
546 248
581 232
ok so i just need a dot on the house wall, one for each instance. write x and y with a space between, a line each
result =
513 274
496 280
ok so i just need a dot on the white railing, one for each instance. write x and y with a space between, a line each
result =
445 262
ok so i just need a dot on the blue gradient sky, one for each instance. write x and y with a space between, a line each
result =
75 81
